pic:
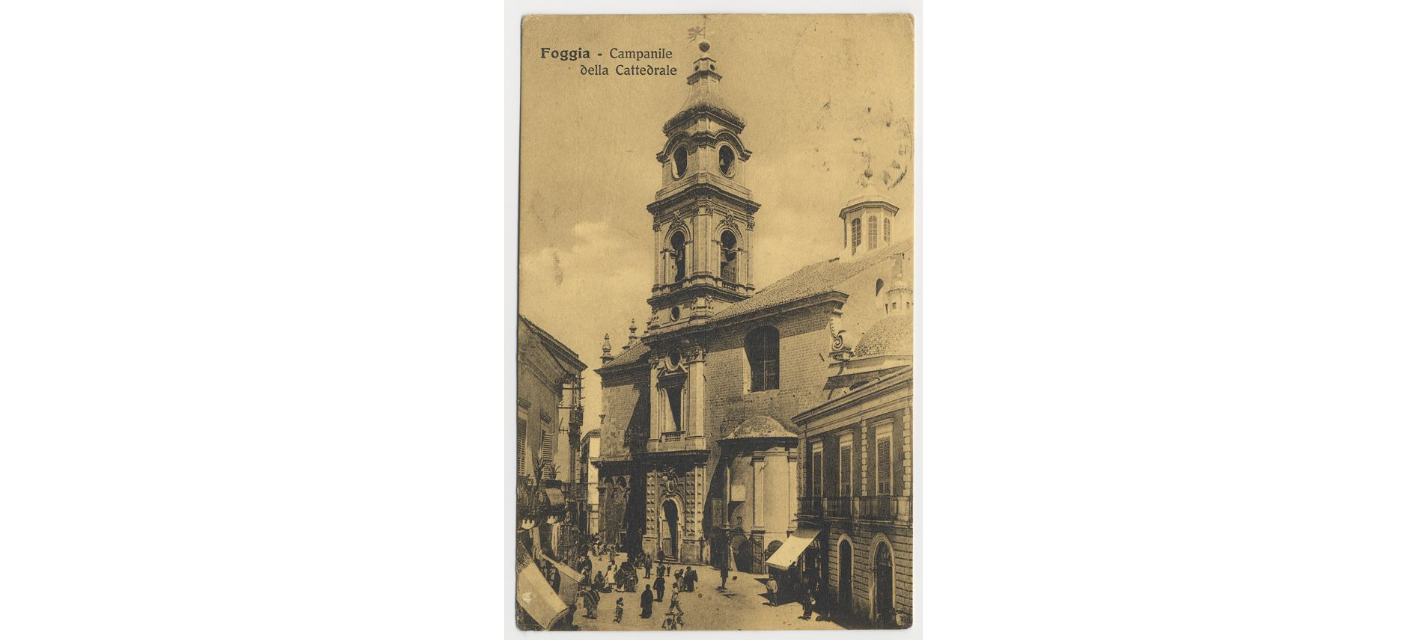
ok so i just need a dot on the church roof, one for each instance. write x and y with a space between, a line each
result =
889 336
812 280
760 427
628 356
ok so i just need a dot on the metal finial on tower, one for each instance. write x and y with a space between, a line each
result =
704 46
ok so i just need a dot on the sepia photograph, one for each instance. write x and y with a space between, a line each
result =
715 342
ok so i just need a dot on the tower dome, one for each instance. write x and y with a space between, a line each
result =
890 336
869 192
704 96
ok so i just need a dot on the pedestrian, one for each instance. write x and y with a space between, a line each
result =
693 579
658 588
646 603
590 605
619 611
807 604
673 603
724 572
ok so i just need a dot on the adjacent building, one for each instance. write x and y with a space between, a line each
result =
548 418
857 489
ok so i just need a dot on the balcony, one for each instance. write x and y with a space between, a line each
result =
677 441
877 507
838 506
809 506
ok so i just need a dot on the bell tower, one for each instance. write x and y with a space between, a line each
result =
703 214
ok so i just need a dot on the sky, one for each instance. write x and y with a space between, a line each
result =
825 98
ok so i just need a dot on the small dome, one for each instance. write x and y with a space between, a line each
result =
760 427
891 336
869 192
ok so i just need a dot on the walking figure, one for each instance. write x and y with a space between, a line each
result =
619 611
658 588
674 604
590 605
646 603
723 571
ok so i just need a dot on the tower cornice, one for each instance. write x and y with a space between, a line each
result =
700 185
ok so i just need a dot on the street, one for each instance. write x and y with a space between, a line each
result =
742 606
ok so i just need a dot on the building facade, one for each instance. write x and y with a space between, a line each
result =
699 458
857 493
548 419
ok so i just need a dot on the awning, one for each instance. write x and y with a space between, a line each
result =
555 496
535 595
569 579
787 554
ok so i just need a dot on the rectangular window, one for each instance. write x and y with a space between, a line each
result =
675 407
761 347
883 460
844 466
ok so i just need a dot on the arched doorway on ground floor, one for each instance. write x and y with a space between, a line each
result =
844 576
883 586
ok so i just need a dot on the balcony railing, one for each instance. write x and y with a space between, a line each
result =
809 506
838 506
877 507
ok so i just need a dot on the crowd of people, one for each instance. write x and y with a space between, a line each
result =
602 572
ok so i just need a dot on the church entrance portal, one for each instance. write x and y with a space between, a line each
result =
669 541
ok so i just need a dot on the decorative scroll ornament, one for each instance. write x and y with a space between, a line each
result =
840 352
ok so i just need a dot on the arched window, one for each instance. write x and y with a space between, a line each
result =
879 285
871 232
886 230
728 267
856 233
675 247
761 346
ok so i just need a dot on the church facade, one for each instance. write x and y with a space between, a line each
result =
700 459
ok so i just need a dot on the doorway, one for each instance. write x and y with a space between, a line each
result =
670 537
882 586
844 577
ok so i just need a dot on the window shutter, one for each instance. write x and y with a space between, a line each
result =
520 448
883 466
844 478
